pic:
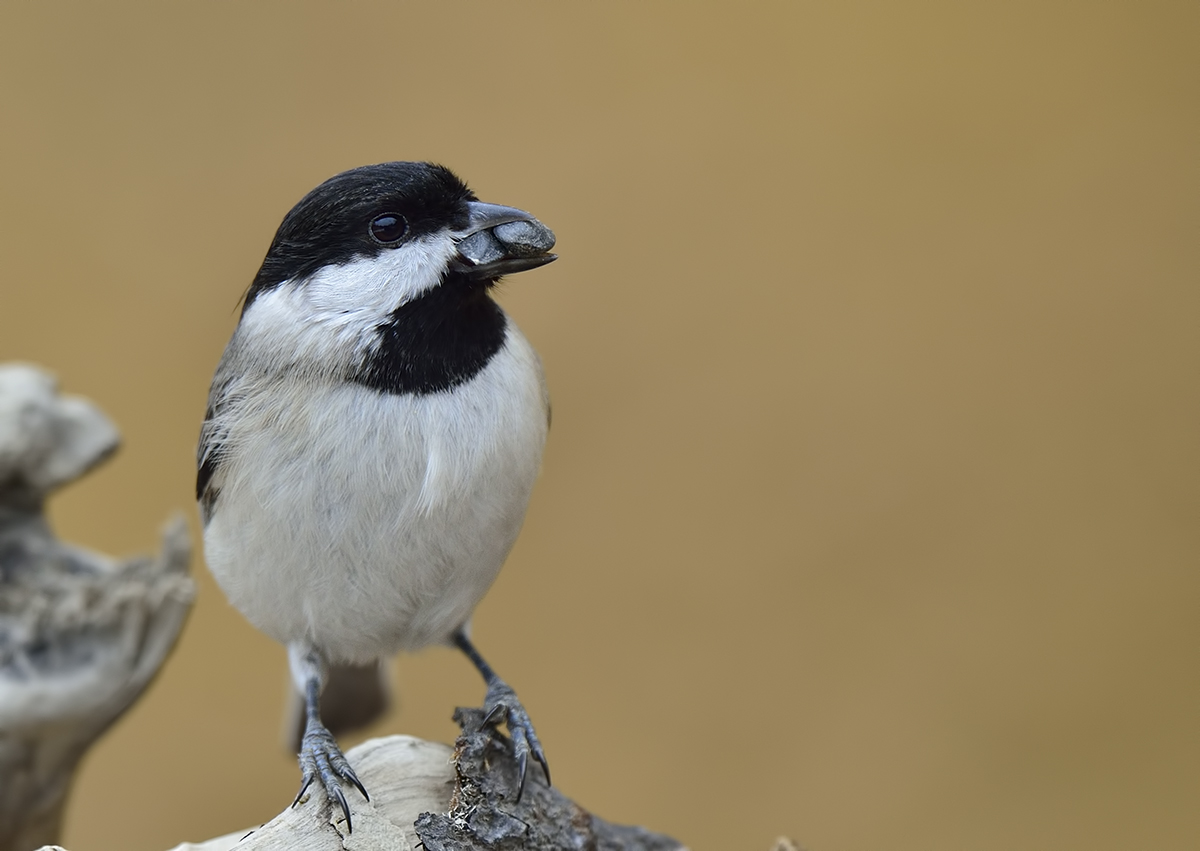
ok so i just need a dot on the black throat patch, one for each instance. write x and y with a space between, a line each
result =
436 342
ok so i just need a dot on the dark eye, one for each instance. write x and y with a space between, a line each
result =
388 228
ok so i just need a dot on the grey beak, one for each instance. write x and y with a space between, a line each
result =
501 240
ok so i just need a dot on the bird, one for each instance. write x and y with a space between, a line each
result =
372 436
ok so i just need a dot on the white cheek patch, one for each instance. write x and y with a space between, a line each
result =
327 322
371 288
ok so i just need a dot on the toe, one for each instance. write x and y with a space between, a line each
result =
335 793
535 748
321 758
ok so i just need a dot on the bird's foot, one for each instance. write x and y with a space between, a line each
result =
502 704
322 759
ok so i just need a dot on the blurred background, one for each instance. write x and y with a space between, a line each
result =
871 510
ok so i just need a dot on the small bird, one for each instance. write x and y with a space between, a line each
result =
373 433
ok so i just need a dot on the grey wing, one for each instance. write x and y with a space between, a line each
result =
211 449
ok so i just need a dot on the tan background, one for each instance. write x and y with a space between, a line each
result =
871 510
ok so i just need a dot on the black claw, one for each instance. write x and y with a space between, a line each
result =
495 712
305 782
341 799
353 778
522 764
541 758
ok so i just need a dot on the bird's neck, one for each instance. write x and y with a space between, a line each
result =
437 341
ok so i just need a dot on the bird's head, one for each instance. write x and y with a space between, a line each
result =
395 254
382 235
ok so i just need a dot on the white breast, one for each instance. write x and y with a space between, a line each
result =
368 523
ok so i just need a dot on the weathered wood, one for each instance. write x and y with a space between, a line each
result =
429 795
405 777
81 634
484 814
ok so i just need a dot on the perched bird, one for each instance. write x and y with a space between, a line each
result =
373 433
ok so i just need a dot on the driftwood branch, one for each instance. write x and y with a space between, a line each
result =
429 795
484 814
81 634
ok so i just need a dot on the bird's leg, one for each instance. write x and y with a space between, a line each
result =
502 704
320 756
